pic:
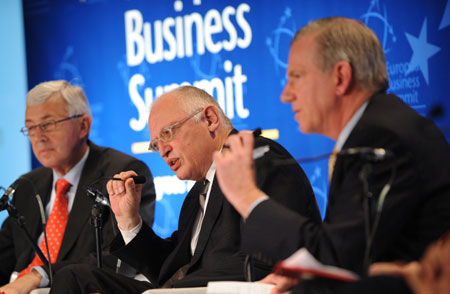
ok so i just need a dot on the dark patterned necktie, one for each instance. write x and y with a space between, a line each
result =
202 195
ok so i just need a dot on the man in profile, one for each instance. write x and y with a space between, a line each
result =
337 82
187 126
58 121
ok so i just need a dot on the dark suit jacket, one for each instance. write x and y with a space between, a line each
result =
416 210
79 239
218 255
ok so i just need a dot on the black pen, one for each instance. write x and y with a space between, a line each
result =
259 151
136 179
256 132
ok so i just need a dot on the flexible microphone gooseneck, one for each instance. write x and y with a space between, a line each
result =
368 155
96 212
12 211
44 222
44 230
371 230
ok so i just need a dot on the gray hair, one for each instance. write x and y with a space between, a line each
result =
344 39
74 96
193 98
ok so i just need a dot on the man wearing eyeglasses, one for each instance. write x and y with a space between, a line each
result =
58 121
187 126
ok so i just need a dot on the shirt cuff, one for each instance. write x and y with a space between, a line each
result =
13 276
40 270
129 235
44 280
256 203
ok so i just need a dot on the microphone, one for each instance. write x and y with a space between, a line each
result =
8 194
367 153
98 197
21 221
136 179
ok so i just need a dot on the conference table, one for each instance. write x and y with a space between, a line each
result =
225 287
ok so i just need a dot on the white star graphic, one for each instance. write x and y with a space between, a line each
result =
422 51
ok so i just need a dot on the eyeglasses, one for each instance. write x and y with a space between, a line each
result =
166 134
47 126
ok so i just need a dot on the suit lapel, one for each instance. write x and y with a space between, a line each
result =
80 212
213 209
181 255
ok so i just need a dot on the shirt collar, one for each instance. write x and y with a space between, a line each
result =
343 136
211 172
74 175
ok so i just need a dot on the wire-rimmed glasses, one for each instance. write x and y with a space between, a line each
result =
46 126
167 133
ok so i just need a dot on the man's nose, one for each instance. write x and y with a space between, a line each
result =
286 95
164 148
37 134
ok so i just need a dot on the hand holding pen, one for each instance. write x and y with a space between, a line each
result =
235 170
125 197
136 179
258 152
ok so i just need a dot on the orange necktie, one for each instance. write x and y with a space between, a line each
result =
56 224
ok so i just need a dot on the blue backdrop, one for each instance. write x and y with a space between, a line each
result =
124 53
14 151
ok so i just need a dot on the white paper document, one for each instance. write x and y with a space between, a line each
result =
303 264
234 287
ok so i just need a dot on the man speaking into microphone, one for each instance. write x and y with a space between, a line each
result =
337 82
187 126
58 121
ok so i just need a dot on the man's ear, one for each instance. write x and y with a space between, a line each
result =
85 125
212 117
344 77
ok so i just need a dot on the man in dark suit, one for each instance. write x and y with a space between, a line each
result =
58 120
337 82
186 127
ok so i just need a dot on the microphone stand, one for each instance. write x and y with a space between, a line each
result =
12 211
96 221
367 208
249 268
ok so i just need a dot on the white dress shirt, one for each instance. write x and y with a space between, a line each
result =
129 235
